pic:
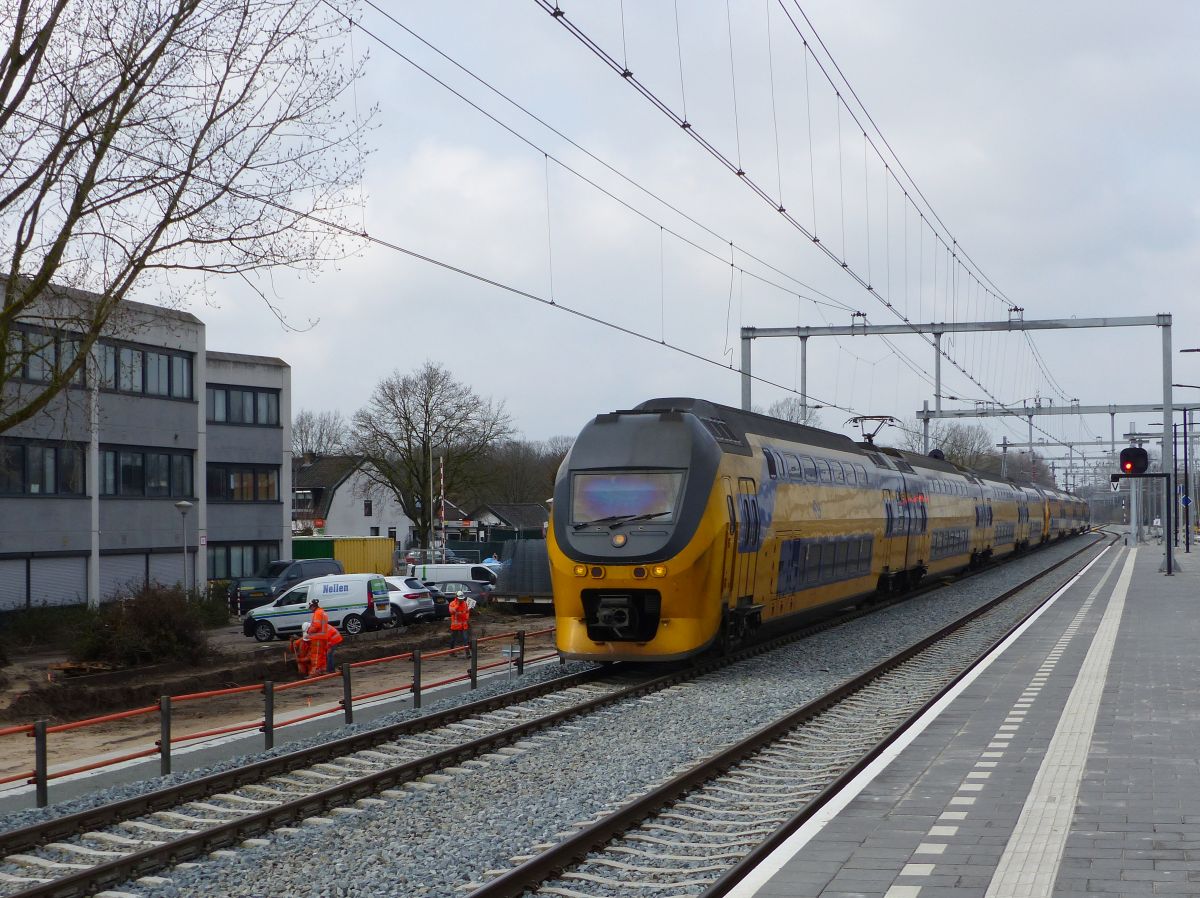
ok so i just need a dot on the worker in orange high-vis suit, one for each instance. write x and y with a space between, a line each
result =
302 648
460 621
317 626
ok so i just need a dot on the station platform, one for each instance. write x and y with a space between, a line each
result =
1068 766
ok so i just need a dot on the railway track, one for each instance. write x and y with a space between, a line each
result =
698 833
78 854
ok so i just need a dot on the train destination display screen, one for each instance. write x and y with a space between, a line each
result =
624 495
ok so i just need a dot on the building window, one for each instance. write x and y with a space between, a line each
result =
243 483
132 468
374 531
243 405
158 374
129 373
392 533
129 369
228 560
302 501
367 509
158 474
37 468
38 355
136 472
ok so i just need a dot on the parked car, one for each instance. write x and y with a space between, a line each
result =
354 602
441 601
437 573
271 581
410 601
478 590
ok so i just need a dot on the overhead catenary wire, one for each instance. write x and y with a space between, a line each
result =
736 169
803 292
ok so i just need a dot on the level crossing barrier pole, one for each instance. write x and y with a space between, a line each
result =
347 694
520 652
268 715
474 668
164 735
416 683
41 771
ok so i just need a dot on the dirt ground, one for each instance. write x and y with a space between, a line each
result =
234 661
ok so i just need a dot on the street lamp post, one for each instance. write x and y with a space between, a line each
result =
184 507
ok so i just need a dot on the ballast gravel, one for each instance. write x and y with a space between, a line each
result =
439 839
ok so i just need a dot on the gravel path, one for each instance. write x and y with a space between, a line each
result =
438 837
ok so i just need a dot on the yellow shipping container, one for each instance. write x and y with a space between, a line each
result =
365 554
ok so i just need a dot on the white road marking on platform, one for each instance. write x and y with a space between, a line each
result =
917 870
943 830
1030 861
774 862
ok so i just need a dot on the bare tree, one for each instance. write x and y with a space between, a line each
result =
968 445
318 433
410 421
150 136
790 408
524 470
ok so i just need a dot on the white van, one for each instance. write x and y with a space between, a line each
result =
439 572
354 602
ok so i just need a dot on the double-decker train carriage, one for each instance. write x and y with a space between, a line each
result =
682 523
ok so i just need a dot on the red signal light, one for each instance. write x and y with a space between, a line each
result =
1128 466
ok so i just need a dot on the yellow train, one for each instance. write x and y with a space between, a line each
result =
681 524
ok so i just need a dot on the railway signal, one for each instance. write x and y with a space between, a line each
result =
1134 460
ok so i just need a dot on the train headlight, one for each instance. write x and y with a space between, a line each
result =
658 570
619 539
598 572
581 570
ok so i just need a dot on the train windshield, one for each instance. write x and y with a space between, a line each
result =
625 494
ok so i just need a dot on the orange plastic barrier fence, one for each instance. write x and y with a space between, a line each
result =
107 718
407 656
207 734
145 753
214 693
366 695
310 681
16 777
20 728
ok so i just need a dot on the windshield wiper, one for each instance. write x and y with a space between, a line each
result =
615 519
640 517
611 519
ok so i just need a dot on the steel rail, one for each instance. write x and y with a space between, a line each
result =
532 873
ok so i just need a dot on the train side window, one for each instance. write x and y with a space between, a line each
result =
772 469
824 472
839 563
835 468
864 554
851 547
793 467
810 469
851 477
815 554
863 477
798 559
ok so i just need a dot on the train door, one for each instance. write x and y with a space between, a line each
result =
749 537
729 564
886 555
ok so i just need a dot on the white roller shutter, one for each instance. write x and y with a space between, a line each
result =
58 581
168 569
12 584
119 572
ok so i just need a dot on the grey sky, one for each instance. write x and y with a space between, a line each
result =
1056 141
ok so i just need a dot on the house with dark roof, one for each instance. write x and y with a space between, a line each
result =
526 520
331 494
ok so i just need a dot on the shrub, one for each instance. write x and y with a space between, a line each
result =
42 627
154 623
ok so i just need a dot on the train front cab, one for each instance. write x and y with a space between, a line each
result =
640 538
